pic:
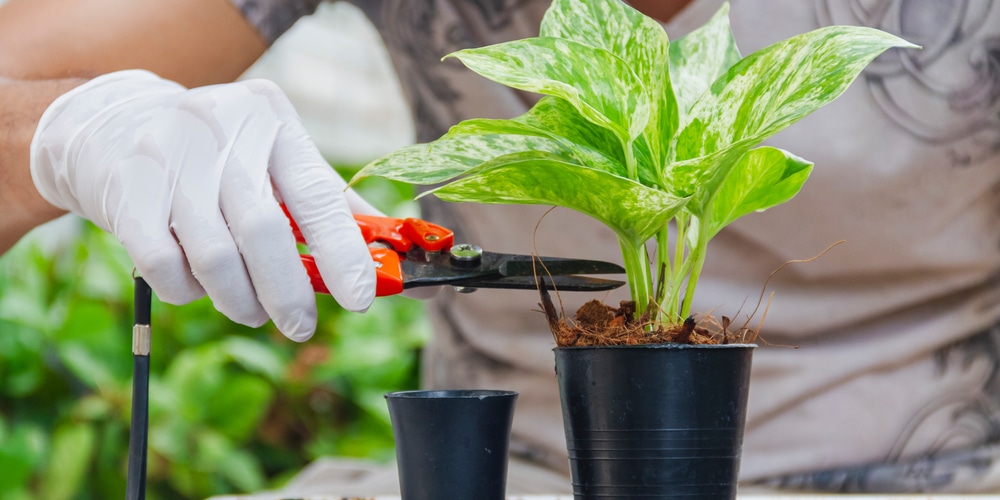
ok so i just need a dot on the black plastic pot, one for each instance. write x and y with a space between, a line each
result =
654 421
452 444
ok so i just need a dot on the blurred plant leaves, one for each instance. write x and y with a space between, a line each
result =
232 409
69 459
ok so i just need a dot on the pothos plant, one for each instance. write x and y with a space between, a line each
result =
642 133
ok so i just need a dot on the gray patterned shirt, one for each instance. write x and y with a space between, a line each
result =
895 386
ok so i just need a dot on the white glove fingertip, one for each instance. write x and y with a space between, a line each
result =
268 249
161 263
361 298
300 328
353 287
257 321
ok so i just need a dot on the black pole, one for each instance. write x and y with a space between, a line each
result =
135 485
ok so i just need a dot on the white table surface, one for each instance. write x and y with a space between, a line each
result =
748 496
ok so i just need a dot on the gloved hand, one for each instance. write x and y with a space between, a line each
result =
188 179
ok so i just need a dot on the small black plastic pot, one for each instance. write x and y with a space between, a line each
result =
452 444
654 421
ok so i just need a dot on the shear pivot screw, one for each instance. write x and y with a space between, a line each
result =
465 255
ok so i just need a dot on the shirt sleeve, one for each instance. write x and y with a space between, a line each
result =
271 18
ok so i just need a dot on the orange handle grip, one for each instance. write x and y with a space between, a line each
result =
400 234
388 273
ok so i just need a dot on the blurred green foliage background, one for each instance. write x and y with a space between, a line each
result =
232 409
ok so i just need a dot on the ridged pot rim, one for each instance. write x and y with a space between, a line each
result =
669 347
438 394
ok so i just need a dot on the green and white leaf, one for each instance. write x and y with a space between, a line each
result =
582 140
761 95
700 177
765 177
777 86
556 119
583 154
600 85
699 58
624 103
631 209
561 120
639 40
452 156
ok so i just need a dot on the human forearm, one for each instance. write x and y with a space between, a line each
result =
193 42
661 10
21 105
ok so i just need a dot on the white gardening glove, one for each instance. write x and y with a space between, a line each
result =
187 180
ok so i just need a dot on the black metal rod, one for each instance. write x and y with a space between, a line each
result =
143 301
135 485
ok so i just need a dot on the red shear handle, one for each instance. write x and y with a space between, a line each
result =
402 234
388 273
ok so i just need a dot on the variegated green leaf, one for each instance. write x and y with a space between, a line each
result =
760 96
701 57
700 177
765 177
452 156
583 154
631 209
600 85
556 119
639 40
548 126
777 86
561 119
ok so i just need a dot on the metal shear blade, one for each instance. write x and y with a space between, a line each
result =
410 253
498 270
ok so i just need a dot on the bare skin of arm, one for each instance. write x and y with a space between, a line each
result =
22 104
47 47
661 10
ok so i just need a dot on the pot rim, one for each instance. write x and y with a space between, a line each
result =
426 394
668 346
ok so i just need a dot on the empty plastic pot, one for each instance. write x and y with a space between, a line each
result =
452 444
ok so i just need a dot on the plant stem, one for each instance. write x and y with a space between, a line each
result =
637 270
697 263
640 280
630 164
681 222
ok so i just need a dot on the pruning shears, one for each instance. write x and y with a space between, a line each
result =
412 253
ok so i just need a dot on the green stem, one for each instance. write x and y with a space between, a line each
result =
630 163
679 271
698 262
637 270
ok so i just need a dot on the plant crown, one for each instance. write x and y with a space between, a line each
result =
638 132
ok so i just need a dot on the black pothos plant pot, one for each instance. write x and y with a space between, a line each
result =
654 421
452 444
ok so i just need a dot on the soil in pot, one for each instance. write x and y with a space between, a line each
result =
598 324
